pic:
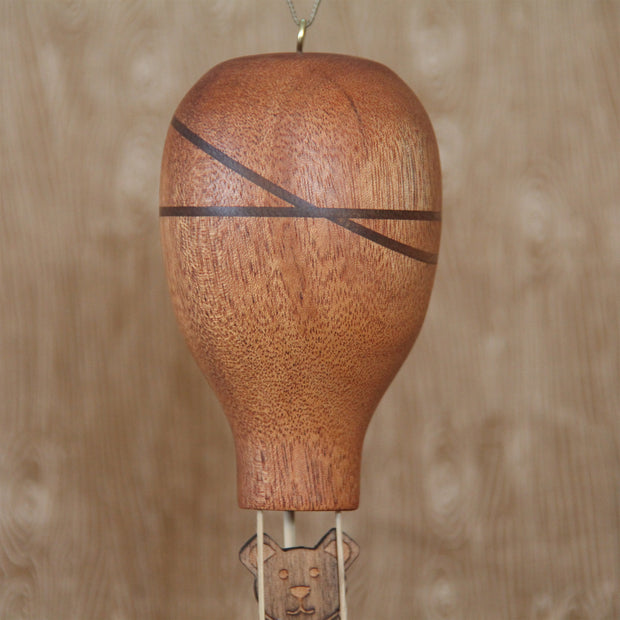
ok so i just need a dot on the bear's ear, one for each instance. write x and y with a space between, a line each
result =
249 552
350 548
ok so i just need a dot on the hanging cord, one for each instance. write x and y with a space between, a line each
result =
260 564
341 581
303 24
310 19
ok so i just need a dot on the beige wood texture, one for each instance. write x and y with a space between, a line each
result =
491 471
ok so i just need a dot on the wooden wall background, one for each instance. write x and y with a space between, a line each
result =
491 484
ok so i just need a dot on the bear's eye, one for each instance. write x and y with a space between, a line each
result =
314 572
283 574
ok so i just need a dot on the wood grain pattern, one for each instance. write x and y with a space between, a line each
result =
300 322
491 471
300 581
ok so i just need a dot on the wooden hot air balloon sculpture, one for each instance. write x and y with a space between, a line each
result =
300 218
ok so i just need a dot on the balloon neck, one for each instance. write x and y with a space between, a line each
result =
310 473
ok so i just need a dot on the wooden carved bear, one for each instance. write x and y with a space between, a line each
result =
300 582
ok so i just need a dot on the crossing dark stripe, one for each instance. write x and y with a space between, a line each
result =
301 207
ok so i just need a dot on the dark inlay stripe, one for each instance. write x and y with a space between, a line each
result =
397 246
356 214
301 207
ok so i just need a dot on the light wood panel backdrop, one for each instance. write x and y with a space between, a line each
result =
491 484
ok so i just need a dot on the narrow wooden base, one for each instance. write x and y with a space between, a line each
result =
315 474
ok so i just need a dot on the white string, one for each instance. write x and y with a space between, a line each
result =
288 522
260 562
341 581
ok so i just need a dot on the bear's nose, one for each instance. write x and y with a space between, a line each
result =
300 591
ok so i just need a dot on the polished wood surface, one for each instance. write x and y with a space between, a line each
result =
298 315
490 478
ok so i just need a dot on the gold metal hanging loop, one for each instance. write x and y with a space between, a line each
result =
301 34
303 24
